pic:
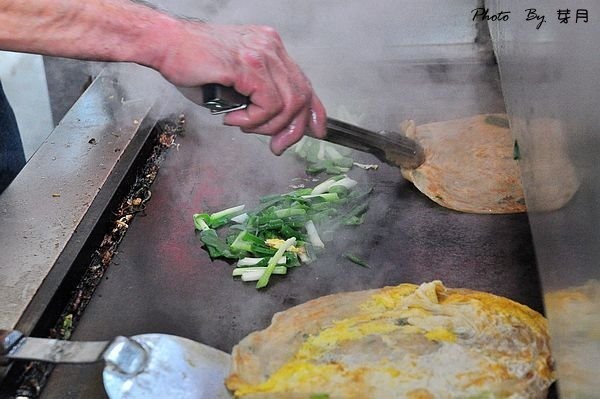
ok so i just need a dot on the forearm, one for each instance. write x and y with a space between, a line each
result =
251 59
110 30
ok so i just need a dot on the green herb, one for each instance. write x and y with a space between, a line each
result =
357 260
497 121
319 396
324 157
202 221
216 247
246 242
264 278
309 216
255 273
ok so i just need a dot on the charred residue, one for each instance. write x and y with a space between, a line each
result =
35 374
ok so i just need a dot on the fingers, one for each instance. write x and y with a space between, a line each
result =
291 135
283 103
278 91
318 118
264 92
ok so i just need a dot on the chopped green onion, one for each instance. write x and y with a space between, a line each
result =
240 271
299 147
248 242
325 196
200 221
357 260
341 191
344 163
293 259
321 153
228 212
264 279
324 186
333 153
354 220
308 215
220 218
247 261
284 213
346 182
240 218
313 235
215 246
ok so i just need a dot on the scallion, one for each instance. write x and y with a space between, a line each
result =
264 279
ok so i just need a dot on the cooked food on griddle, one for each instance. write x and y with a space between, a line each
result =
285 230
407 341
470 165
547 169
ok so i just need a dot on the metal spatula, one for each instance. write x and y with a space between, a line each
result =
142 366
392 148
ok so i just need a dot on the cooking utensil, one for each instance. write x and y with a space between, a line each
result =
393 148
142 366
389 147
217 98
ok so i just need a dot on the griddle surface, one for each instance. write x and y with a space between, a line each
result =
162 281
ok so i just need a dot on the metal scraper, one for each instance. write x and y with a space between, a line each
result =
390 147
143 366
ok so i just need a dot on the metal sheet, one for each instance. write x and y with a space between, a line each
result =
550 80
41 210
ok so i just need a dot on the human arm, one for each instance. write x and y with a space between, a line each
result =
251 59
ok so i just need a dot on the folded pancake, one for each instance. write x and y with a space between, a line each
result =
407 341
470 165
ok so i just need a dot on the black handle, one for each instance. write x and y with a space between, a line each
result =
220 99
217 98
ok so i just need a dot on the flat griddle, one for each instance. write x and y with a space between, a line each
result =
162 281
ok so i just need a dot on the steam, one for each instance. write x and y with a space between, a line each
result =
375 65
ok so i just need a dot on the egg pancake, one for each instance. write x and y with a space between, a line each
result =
407 341
470 165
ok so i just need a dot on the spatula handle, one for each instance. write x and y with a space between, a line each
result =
8 339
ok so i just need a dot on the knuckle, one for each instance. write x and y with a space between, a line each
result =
277 108
270 32
268 38
298 101
253 58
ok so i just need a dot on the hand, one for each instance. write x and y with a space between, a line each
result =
252 60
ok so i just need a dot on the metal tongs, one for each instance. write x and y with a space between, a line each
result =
390 147
393 148
143 366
